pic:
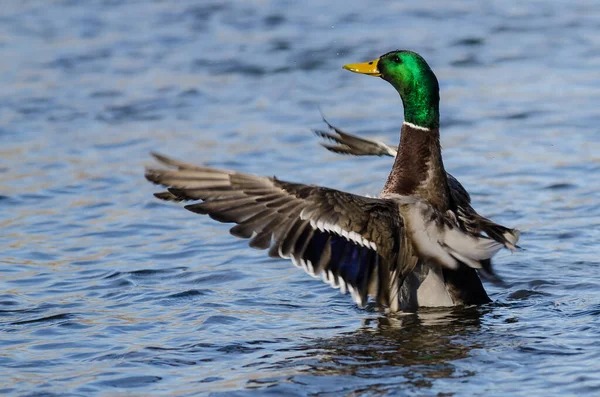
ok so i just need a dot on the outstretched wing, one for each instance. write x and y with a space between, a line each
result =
354 243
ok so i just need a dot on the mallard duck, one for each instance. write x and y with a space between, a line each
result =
418 244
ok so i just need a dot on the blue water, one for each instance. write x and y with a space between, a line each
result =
106 291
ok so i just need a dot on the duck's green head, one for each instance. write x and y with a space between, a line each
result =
414 80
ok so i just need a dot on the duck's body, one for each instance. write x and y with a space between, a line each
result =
413 246
458 286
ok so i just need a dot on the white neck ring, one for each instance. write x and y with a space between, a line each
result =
416 127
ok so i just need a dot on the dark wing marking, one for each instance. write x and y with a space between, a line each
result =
353 242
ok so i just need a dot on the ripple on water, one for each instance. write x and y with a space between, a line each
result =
106 291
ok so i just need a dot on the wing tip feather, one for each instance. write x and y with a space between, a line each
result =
167 196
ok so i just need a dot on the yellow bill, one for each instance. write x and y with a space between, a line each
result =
369 68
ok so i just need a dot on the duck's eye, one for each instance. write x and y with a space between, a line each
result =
397 59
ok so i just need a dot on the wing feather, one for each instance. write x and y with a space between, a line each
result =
346 239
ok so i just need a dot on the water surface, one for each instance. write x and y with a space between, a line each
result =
106 291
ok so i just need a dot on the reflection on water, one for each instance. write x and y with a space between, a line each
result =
408 340
388 354
106 291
